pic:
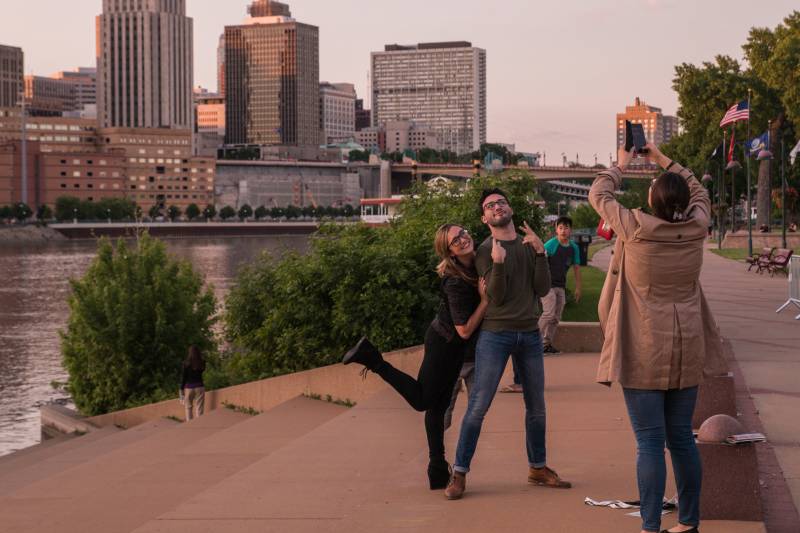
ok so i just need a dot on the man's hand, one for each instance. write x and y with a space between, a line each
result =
531 238
482 289
577 295
498 252
624 157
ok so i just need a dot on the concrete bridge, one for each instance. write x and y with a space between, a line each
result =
420 170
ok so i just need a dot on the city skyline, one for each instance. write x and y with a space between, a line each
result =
545 93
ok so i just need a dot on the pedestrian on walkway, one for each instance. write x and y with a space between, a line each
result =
562 253
518 275
450 340
192 391
660 338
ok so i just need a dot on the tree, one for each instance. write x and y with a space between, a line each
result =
303 311
261 212
210 212
174 212
21 211
358 155
67 208
227 212
348 211
292 211
6 212
245 212
155 211
192 211
584 216
132 318
44 213
276 213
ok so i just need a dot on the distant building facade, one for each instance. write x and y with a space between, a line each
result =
442 85
337 111
84 79
12 69
363 116
145 64
272 79
49 97
398 136
221 66
658 128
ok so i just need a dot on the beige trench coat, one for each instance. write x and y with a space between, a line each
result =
658 329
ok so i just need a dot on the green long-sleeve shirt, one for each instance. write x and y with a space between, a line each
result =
514 287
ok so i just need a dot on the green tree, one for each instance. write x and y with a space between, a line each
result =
227 212
348 211
358 155
21 211
132 317
192 211
155 211
276 213
261 212
174 212
67 208
292 212
210 212
44 213
6 212
584 216
245 212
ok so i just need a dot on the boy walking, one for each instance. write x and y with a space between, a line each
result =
562 253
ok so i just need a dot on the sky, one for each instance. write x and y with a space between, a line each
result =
557 71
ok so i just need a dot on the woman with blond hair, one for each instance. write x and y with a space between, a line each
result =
449 338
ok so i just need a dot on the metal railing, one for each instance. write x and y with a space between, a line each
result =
794 285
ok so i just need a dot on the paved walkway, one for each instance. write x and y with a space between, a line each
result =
765 345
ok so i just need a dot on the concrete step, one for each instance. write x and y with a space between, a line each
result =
52 460
159 473
35 448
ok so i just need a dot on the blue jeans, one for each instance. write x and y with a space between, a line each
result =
657 417
491 356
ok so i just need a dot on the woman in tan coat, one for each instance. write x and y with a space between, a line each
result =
659 336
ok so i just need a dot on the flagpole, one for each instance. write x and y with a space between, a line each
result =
733 180
721 191
783 198
749 199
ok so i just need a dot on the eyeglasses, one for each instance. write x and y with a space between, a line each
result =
459 239
492 205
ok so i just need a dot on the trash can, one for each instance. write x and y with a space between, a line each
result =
583 245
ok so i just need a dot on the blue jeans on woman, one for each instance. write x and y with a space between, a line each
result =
660 417
491 356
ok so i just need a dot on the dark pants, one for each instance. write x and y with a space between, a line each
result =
660 417
432 389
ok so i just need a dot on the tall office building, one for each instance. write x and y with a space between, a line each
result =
221 65
84 79
272 79
337 103
144 64
442 85
658 128
49 97
11 75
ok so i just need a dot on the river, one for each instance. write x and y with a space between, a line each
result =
34 286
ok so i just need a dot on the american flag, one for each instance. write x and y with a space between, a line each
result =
740 111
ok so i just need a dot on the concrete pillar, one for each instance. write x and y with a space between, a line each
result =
386 179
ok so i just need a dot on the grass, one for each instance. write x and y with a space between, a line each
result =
241 409
592 280
330 399
737 254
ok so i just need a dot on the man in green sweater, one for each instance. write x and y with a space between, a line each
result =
518 276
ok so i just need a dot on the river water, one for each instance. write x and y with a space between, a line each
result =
34 286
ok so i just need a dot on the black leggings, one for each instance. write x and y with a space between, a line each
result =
433 388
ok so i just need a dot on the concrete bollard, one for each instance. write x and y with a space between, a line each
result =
730 482
715 396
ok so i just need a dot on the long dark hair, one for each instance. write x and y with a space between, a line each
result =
669 196
194 359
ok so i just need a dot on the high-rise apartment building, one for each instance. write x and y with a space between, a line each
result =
658 128
272 79
11 75
85 81
337 103
144 64
442 85
49 97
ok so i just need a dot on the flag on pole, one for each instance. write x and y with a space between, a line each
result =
794 152
737 112
733 143
759 143
718 151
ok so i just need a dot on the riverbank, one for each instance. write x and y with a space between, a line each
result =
93 230
28 233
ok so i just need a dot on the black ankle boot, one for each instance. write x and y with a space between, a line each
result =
439 473
364 353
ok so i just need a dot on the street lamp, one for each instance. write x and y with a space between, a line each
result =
733 165
74 215
108 214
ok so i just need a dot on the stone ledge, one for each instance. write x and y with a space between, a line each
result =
59 420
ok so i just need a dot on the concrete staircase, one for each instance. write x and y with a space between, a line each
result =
312 466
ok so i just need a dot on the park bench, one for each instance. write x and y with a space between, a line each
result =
780 261
761 261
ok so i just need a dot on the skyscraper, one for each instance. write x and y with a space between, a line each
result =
272 79
11 75
144 64
221 66
442 85
337 103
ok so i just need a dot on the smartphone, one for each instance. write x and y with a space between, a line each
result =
634 138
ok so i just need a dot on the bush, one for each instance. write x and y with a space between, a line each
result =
210 212
173 212
584 216
192 211
261 212
245 212
21 211
305 311
132 317
227 212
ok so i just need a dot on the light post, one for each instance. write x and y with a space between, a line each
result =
708 181
783 197
563 159
74 215
733 166
595 159
108 215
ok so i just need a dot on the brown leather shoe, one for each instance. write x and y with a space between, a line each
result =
547 477
455 489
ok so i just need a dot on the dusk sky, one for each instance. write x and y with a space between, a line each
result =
558 72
